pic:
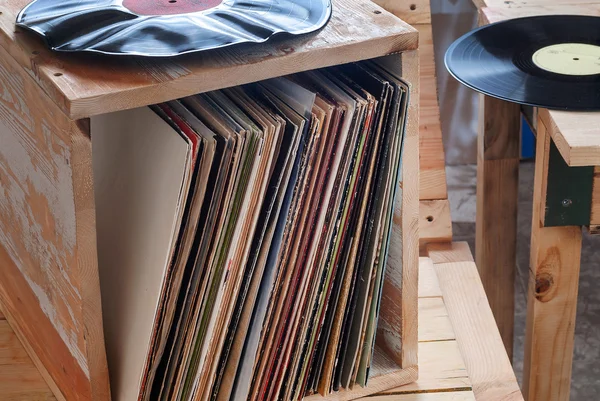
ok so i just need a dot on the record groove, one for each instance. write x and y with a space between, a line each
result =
498 60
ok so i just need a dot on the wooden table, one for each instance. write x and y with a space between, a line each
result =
566 197
461 355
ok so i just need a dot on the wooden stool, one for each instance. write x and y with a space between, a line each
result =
565 199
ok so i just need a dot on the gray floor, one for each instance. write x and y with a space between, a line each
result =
585 383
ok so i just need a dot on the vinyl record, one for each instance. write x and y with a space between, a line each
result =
545 61
167 27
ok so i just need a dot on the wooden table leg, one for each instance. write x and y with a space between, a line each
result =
497 192
552 294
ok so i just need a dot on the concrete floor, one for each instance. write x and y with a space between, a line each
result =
585 384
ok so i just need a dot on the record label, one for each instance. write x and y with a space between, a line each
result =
576 59
169 7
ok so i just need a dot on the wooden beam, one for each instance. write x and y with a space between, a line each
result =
479 341
552 294
496 223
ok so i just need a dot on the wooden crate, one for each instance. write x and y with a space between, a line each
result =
49 285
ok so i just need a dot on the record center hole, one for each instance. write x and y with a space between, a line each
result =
429 218
413 7
575 58
172 1
376 12
58 74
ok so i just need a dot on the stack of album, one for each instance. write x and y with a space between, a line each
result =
243 234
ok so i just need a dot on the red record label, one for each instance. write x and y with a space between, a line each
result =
169 7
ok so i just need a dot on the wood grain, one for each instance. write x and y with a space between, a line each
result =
448 253
429 285
445 396
434 323
479 341
49 286
412 11
434 222
90 85
496 223
534 3
432 163
19 378
552 294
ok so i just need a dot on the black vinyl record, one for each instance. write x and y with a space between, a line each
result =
545 61
159 28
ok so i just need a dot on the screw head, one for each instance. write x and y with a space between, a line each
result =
567 202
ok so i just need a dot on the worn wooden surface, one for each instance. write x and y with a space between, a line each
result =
401 278
49 286
432 160
552 294
479 340
412 11
448 368
90 85
496 224
434 222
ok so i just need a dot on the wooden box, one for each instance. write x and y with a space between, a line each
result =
49 285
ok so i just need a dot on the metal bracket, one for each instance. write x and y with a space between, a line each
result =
569 192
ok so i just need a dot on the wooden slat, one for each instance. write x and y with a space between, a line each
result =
441 368
429 285
412 11
434 222
479 341
19 378
575 135
434 323
552 294
496 14
535 3
95 85
432 164
444 396
448 253
49 286
497 192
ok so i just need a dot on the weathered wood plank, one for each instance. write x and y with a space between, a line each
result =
49 288
552 294
496 224
432 163
434 323
441 368
479 340
429 285
448 253
89 85
434 222
19 378
442 396
412 11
